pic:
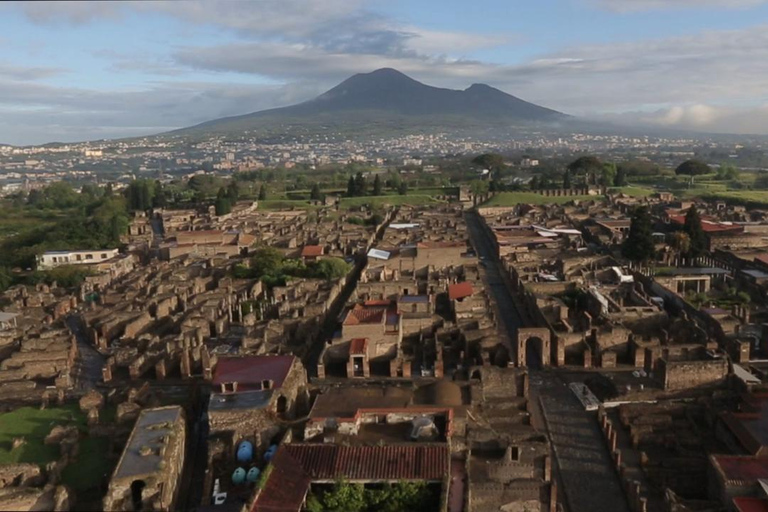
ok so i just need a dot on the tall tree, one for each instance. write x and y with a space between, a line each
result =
639 246
377 186
262 193
361 186
233 191
351 187
588 166
314 194
223 205
692 168
403 188
621 176
698 240
608 174
567 179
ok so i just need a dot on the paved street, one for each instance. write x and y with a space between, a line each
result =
583 462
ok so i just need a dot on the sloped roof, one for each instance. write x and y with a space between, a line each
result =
358 346
460 290
250 371
359 316
310 251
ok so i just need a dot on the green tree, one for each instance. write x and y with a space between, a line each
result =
361 186
567 179
403 188
698 239
329 269
727 172
267 261
233 191
315 194
692 168
351 187
639 246
262 193
223 205
377 186
6 278
491 161
608 174
535 183
588 166
621 176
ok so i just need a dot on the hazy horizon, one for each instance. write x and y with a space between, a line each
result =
77 71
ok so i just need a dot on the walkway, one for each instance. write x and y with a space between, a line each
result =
585 469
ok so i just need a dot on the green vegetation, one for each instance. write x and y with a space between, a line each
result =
633 190
91 466
639 246
346 497
274 269
380 201
33 425
697 245
515 198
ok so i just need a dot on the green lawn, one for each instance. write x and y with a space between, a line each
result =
633 190
758 198
34 424
373 201
514 198
285 204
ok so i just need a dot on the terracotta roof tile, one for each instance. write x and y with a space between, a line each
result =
310 251
359 316
250 371
460 290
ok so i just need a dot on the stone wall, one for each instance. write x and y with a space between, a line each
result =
690 374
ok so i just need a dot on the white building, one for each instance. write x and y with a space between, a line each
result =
53 259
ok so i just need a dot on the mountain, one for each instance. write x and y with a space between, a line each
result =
387 98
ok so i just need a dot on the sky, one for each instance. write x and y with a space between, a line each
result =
72 71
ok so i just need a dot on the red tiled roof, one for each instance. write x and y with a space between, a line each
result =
310 251
286 488
393 462
460 290
709 225
296 465
358 316
358 346
762 258
250 371
742 469
750 504
378 302
440 245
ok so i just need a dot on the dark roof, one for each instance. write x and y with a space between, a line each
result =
393 462
296 465
460 290
743 504
250 371
742 470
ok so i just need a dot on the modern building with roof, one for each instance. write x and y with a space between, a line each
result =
53 259
148 474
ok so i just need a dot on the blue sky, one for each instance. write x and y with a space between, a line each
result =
87 70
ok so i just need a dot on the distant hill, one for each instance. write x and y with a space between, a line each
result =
386 98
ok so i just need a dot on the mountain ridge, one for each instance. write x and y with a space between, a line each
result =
388 97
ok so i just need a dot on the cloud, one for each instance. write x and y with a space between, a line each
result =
28 73
698 117
649 5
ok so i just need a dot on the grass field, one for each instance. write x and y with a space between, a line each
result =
373 201
634 190
757 198
34 424
91 465
514 198
285 204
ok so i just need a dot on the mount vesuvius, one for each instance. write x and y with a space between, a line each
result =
387 98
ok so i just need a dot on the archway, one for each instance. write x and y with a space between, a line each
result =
137 488
533 347
282 404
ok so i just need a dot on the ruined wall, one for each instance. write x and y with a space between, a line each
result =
689 374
